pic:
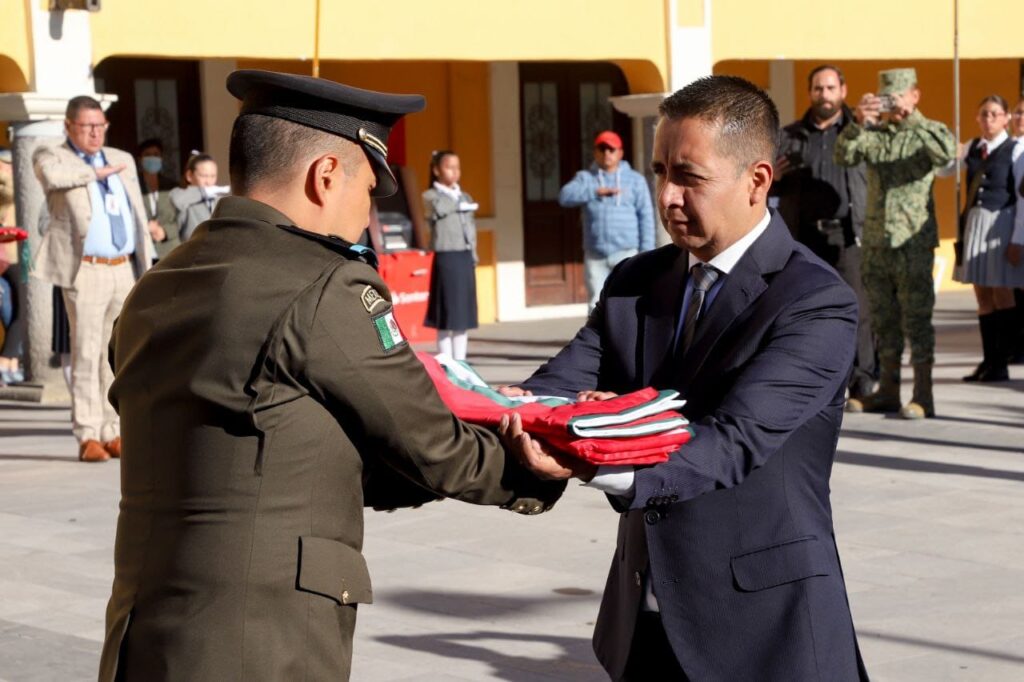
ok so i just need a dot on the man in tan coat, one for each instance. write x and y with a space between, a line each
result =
95 246
267 396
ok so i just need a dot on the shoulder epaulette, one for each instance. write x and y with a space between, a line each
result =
356 252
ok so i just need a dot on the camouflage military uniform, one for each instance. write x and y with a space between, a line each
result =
900 230
899 240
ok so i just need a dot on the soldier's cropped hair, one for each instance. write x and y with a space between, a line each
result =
825 67
747 120
76 104
266 149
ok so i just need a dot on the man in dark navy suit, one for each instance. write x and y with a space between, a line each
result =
726 566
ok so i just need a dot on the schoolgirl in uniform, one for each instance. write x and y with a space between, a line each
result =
993 235
451 308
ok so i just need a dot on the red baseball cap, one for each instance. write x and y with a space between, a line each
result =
609 138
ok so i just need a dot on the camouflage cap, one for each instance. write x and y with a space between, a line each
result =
895 81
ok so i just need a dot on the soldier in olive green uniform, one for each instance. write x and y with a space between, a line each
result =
266 396
900 233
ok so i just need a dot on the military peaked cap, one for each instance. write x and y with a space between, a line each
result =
363 116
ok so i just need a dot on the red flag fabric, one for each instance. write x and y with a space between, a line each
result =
636 429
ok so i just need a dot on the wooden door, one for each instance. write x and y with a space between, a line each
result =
156 98
563 106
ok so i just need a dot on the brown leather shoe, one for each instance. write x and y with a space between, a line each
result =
113 447
91 451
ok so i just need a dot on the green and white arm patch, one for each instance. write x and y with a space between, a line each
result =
388 332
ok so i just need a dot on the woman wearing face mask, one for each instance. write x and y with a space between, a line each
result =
156 188
195 200
993 235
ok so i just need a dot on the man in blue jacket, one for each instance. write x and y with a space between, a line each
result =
618 221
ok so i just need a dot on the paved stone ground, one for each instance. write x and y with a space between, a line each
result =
929 516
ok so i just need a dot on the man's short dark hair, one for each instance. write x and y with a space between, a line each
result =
825 67
265 149
748 122
76 104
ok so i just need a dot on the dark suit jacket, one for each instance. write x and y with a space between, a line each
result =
737 526
261 396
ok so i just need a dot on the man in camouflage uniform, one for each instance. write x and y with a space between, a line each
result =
900 232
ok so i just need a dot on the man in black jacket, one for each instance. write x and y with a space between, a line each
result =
823 203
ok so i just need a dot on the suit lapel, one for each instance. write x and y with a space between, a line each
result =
741 287
661 317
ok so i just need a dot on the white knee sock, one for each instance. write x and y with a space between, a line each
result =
65 368
460 339
444 341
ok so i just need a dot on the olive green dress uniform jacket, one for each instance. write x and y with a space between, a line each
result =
259 398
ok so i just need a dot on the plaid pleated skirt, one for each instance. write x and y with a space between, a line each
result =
986 236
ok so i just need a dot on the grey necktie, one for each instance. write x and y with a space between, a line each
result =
703 276
118 235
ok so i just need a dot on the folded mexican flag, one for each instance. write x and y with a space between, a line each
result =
642 427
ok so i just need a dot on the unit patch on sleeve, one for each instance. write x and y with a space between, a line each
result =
372 299
388 332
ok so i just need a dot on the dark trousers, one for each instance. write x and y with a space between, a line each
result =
865 369
650 655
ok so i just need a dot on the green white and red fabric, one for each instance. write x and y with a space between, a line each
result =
642 427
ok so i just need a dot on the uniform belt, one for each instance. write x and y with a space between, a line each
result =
100 260
828 225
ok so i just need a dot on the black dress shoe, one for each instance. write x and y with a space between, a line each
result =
994 373
977 373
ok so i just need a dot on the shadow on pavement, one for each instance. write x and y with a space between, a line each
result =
39 458
942 646
574 662
905 464
938 442
473 605
9 432
981 422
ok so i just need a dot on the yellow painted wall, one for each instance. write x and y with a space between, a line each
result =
458 30
978 78
486 278
15 47
898 29
457 115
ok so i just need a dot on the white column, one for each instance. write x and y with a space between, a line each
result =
643 110
689 46
219 111
508 190
782 88
61 69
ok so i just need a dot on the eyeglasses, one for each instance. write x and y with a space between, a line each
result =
91 127
1018 114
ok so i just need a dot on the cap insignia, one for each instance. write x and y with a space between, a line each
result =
373 141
